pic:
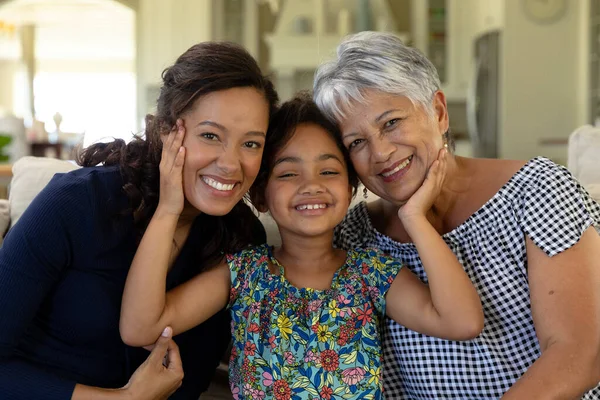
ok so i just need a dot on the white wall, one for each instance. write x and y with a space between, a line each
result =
8 68
541 80
165 29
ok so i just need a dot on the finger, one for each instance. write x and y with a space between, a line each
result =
433 170
442 153
172 146
162 345
168 142
178 134
174 357
179 159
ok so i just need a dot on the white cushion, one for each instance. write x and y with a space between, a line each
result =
594 190
584 154
30 176
4 217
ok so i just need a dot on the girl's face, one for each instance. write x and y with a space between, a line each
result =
308 192
393 142
224 140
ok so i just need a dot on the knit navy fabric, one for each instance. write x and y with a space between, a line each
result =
62 272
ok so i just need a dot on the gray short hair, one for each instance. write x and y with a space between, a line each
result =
378 61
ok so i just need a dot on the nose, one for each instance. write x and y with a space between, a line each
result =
381 148
229 160
311 187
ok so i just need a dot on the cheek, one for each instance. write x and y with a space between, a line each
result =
360 161
251 165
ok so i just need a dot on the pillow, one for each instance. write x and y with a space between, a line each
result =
584 154
30 176
594 190
4 218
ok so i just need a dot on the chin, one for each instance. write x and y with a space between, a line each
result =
214 208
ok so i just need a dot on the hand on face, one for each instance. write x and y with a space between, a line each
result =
171 171
422 200
161 374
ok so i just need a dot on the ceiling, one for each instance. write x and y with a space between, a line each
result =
75 29
44 12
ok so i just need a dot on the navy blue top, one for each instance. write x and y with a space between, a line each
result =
62 272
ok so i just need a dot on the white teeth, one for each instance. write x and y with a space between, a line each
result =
398 168
310 207
217 185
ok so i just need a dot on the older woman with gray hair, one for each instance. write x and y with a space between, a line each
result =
523 230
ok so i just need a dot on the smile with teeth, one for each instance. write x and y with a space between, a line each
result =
217 185
310 206
398 168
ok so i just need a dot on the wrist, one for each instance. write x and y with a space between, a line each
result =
165 213
124 393
411 219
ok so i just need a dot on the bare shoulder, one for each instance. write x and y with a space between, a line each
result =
494 172
485 178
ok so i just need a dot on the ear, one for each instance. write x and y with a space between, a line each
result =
257 199
262 208
440 109
350 190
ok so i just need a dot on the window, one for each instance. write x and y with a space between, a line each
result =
99 105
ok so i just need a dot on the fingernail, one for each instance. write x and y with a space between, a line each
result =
166 332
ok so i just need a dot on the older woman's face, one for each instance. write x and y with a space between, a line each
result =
393 143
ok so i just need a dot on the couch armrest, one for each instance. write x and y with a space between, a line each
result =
584 151
4 218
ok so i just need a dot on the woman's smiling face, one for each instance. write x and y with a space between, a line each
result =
393 142
225 135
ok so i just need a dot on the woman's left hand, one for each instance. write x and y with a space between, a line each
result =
422 200
171 198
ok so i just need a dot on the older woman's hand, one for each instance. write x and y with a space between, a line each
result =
171 176
420 202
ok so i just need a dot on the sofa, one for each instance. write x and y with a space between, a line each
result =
31 174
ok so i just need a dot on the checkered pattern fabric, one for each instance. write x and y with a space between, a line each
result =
542 201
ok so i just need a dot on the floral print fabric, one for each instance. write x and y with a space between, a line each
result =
302 343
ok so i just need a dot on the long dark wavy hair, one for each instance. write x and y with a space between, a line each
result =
204 68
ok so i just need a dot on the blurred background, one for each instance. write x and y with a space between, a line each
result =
519 75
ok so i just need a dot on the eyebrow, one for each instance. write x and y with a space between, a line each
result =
322 157
221 127
385 114
377 120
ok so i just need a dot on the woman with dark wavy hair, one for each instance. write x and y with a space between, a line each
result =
63 265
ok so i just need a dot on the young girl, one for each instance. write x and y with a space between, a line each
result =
306 316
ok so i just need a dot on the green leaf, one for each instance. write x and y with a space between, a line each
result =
260 362
349 358
339 390
302 382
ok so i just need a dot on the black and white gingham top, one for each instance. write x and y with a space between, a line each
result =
542 201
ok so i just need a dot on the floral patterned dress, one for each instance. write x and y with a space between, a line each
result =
291 343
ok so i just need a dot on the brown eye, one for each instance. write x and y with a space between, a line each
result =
391 123
355 143
252 145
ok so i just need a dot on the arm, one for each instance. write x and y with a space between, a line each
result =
146 308
449 307
565 303
33 258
